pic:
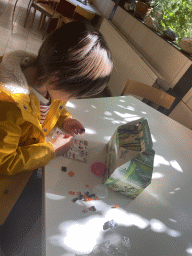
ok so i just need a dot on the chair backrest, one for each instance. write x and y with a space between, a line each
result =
44 6
148 92
86 14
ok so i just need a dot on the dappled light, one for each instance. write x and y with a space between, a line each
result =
54 197
189 250
172 220
157 226
107 138
128 108
108 118
90 131
160 160
93 106
176 166
143 112
81 238
153 138
173 233
157 175
107 113
124 115
85 234
173 192
70 105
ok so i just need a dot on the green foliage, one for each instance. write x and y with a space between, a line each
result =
177 15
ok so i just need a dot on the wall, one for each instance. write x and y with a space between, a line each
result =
173 66
166 60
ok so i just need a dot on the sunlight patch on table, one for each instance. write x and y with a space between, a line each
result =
54 197
124 115
80 238
189 250
176 166
172 220
108 118
116 122
153 138
107 113
157 226
158 160
70 105
173 233
176 189
90 131
107 138
157 175
128 107
130 119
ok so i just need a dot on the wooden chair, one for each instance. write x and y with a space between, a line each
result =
150 93
86 14
47 9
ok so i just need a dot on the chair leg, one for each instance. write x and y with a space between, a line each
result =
27 17
43 21
47 27
34 12
40 19
28 7
59 22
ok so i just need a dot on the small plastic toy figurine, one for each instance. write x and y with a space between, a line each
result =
110 224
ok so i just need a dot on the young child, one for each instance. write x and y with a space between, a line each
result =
73 62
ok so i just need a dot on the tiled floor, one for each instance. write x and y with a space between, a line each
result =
28 38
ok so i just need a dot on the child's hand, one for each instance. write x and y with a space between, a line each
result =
73 126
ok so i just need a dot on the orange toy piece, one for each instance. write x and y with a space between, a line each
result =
88 199
96 198
87 186
115 206
71 174
71 193
90 208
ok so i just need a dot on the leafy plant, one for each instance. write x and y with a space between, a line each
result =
177 15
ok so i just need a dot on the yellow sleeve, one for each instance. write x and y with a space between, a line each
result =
64 115
15 158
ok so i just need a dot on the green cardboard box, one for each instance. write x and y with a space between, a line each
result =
130 158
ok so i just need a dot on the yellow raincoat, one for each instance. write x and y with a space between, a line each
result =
23 147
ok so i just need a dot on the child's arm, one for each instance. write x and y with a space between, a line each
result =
14 157
71 125
62 117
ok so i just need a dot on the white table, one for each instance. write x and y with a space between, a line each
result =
87 7
158 222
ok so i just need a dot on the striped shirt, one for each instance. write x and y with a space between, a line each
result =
45 105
